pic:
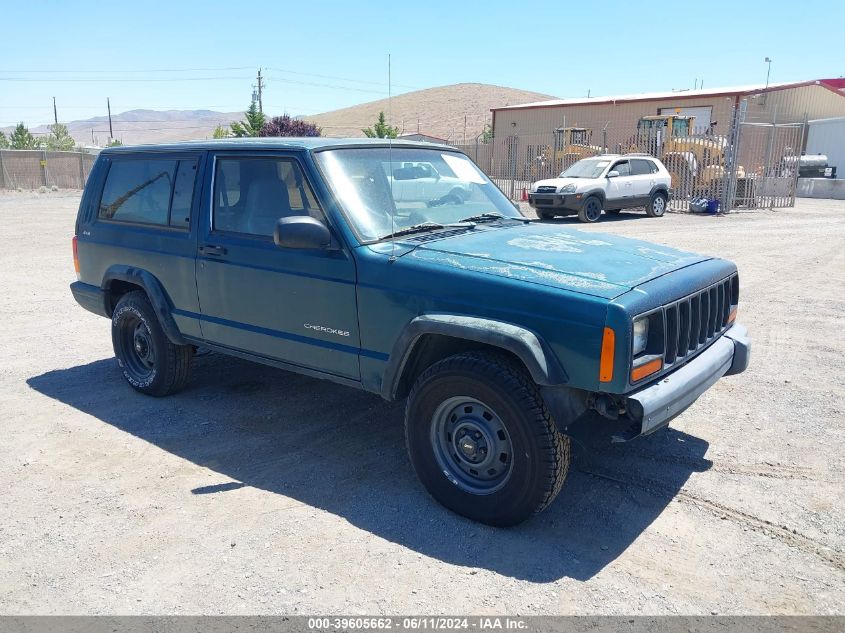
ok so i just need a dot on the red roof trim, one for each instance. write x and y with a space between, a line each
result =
830 84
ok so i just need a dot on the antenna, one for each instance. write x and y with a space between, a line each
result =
390 163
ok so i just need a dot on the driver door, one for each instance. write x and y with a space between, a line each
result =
293 305
619 188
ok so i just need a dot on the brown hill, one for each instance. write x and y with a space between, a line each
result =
439 112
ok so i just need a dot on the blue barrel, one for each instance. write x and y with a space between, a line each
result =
713 207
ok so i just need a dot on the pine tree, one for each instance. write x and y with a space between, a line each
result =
251 125
22 138
381 129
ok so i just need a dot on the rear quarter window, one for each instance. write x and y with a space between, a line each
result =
149 191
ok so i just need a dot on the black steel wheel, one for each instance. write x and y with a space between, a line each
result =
482 441
590 210
150 362
471 444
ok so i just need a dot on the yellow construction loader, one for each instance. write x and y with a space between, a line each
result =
572 144
696 161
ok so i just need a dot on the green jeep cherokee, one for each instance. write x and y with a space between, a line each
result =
341 259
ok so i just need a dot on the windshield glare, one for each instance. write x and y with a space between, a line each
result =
383 190
585 169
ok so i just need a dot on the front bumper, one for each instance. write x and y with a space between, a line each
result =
655 405
556 201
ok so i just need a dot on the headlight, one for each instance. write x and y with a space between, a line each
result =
568 188
640 335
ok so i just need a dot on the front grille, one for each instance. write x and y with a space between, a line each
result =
546 189
695 321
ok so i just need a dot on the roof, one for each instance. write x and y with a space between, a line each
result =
836 85
272 142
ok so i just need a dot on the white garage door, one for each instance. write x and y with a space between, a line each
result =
702 115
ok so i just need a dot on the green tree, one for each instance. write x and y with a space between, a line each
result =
221 132
251 125
381 129
22 138
487 133
114 143
4 142
59 139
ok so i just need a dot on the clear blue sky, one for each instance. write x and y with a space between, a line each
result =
549 47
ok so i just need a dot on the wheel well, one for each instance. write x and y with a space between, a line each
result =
116 289
431 348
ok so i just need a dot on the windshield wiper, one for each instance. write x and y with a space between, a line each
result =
484 217
415 228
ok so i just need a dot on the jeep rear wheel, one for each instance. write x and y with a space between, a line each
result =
482 441
150 362
590 210
657 205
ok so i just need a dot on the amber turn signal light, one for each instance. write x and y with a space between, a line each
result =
608 348
732 316
646 369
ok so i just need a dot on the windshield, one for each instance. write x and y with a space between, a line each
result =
386 190
590 168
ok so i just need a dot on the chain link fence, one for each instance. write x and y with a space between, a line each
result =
746 161
32 169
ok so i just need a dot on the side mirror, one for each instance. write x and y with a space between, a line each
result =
301 231
613 174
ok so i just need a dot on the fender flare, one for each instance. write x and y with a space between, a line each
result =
600 193
659 187
159 300
539 360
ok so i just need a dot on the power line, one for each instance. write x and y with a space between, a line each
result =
114 70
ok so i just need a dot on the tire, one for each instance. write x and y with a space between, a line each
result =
591 210
150 362
488 400
545 215
657 205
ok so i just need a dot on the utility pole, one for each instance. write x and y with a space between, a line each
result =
260 90
111 131
55 113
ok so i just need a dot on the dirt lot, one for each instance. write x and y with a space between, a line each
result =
259 491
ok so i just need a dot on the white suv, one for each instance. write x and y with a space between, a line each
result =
610 183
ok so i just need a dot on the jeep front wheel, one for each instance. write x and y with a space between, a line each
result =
590 210
482 441
150 362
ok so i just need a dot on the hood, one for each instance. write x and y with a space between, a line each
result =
560 182
590 263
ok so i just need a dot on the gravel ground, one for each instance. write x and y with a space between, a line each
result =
260 491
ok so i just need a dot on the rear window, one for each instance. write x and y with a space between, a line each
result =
641 166
157 191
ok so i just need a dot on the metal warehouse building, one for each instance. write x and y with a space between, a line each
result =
752 132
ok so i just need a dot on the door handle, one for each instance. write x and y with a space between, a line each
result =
210 249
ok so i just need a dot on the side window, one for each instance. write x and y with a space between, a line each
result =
158 192
251 194
623 168
640 167
183 193
138 191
